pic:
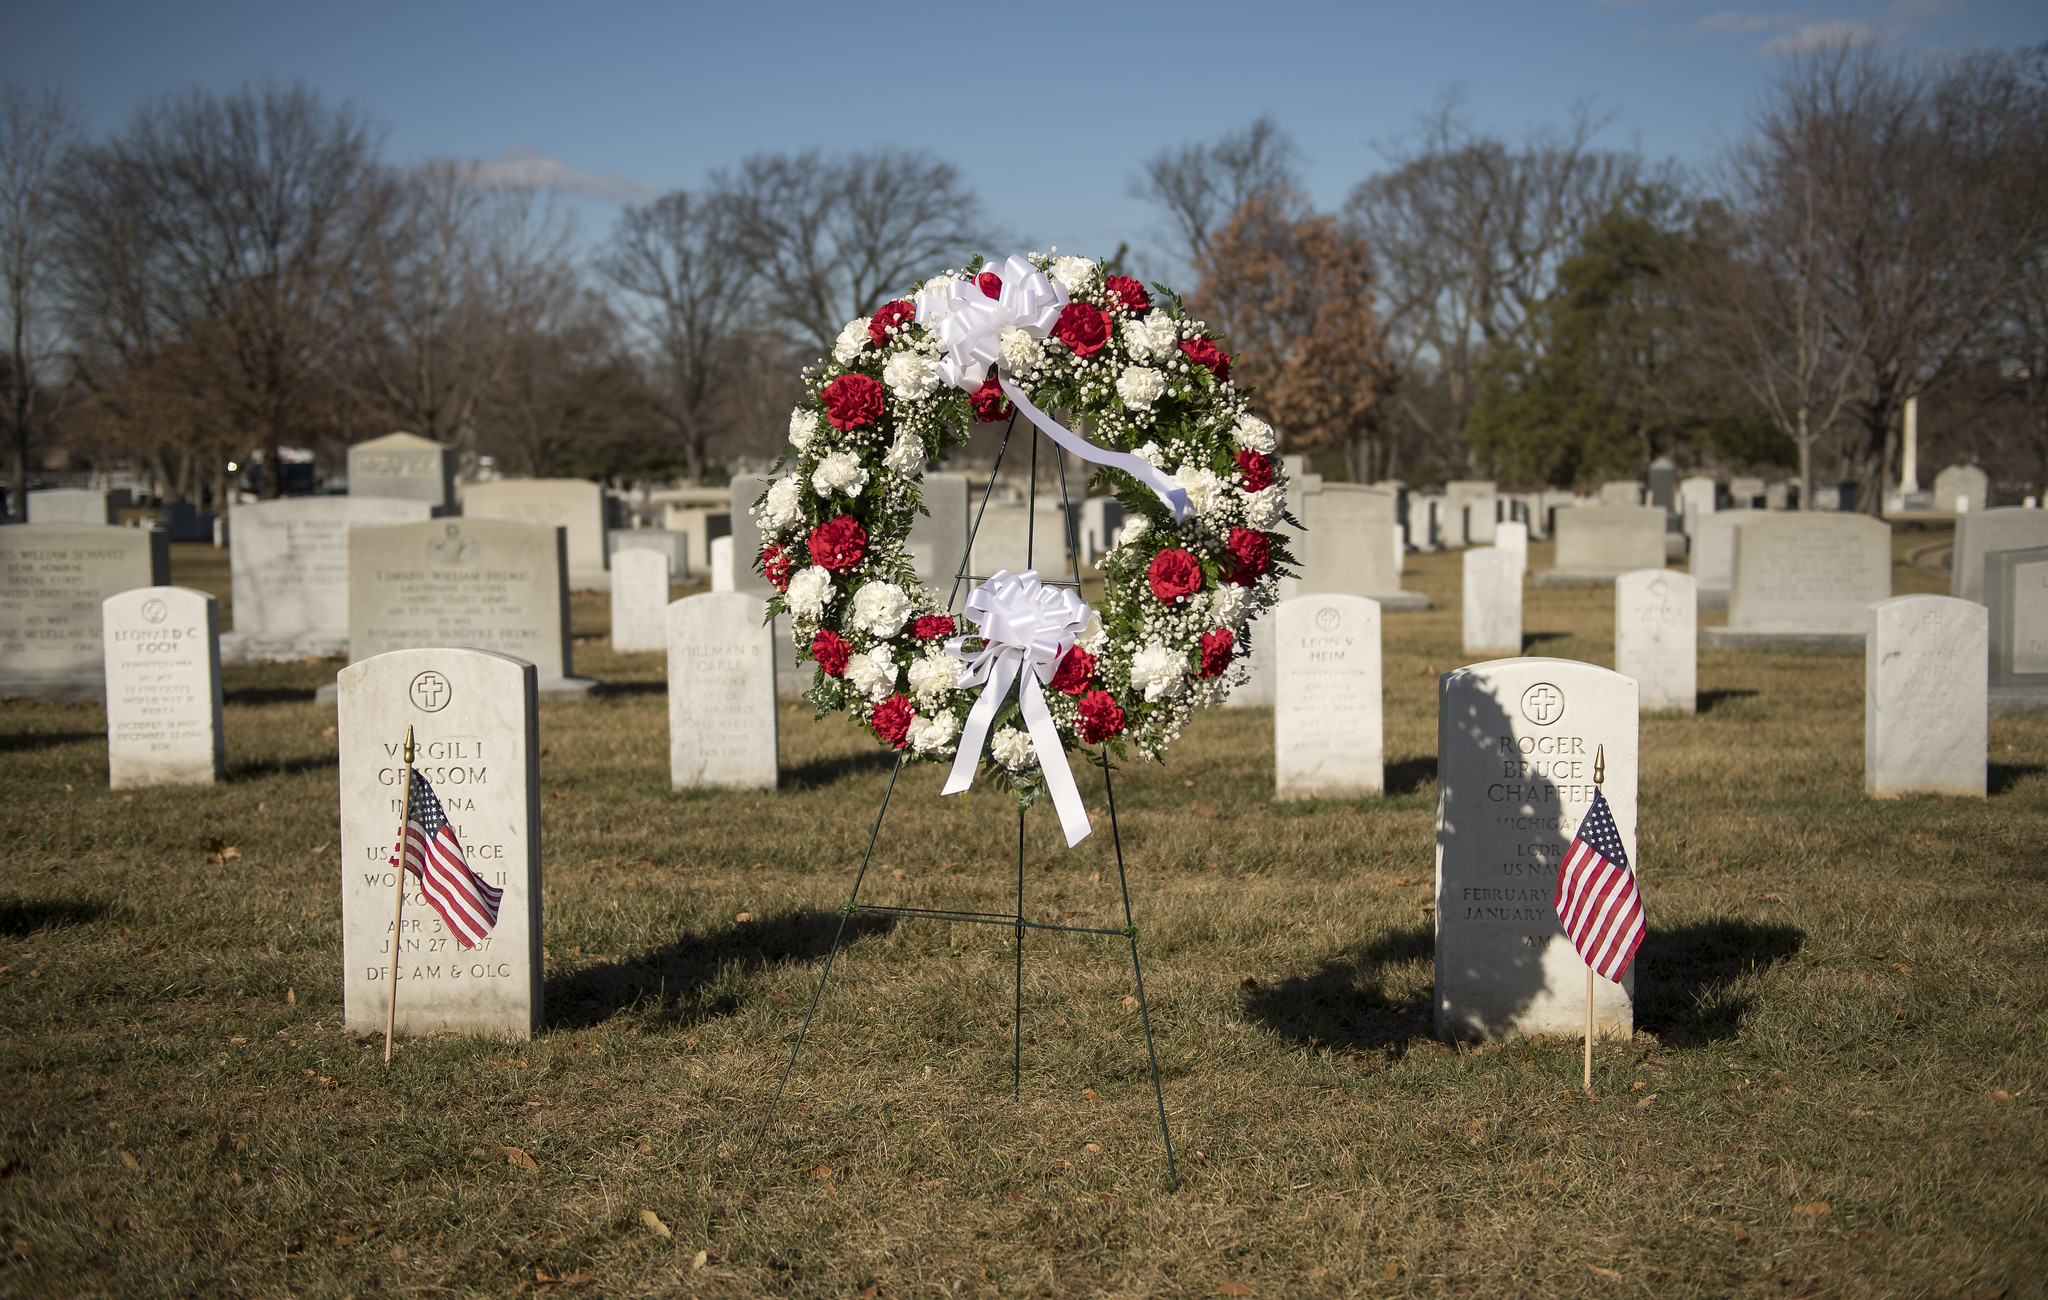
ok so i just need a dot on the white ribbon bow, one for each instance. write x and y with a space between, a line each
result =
1025 627
969 326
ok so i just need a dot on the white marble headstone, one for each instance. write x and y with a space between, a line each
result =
1980 532
2016 593
742 569
405 466
571 504
476 721
288 563
1327 733
1808 572
1516 745
721 693
1469 512
1656 638
53 580
163 688
1605 541
1621 492
1492 601
1961 488
76 506
639 600
938 540
1512 536
723 574
1925 687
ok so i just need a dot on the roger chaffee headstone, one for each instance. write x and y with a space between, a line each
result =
288 565
2016 590
1517 740
53 580
1980 532
1492 600
1327 722
1924 697
477 726
1804 581
163 688
639 600
1600 543
572 504
484 584
1656 638
403 466
721 693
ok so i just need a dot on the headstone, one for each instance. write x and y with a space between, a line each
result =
744 569
1664 484
1957 488
1746 493
1713 555
1698 497
54 578
1101 517
1347 546
1432 536
1398 544
1492 601
182 522
1513 537
163 688
675 546
1656 638
484 584
571 504
1469 510
639 600
938 541
1980 532
721 693
477 732
405 467
1599 543
1621 492
1008 536
2016 590
1780 496
1327 710
288 565
699 513
77 506
1804 581
1517 740
1925 674
723 571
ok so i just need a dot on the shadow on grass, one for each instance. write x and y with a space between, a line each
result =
700 976
2000 777
1346 1004
821 772
257 769
1706 700
23 742
1685 977
1530 640
21 917
613 687
1410 774
269 695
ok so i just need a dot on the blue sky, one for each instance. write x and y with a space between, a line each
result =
1048 109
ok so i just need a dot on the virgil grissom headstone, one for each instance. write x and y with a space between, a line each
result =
476 719
1517 741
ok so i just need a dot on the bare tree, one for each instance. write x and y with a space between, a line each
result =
675 261
37 130
2016 343
1201 186
1469 231
834 238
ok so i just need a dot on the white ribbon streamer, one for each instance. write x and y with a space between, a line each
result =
969 326
1025 627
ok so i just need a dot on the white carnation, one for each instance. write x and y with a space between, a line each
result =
1011 747
1227 605
1153 338
839 472
879 609
934 735
1254 434
1151 454
809 593
1072 273
783 506
851 340
935 674
911 375
1158 671
1262 508
803 426
1133 529
1018 352
1140 386
1093 636
872 672
937 284
1208 495
906 457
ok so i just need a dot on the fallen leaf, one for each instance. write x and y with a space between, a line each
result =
1645 1102
518 1159
2001 1096
1130 1001
821 1171
1091 1094
291 997
655 1225
347 1239
700 1259
644 1149
1393 1268
1812 1210
1233 1288
1741 1233
1093 1148
478 1151
238 1040
129 1160
398 1253
743 918
1607 1273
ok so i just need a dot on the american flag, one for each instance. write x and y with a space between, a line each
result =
1596 894
465 902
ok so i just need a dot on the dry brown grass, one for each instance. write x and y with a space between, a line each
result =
1836 995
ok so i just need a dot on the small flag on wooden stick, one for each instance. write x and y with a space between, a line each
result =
467 904
1597 900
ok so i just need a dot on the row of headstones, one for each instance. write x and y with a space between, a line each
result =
178 521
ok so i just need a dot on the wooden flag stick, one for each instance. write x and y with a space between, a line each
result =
1599 775
398 908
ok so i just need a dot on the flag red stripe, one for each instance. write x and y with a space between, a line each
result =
466 903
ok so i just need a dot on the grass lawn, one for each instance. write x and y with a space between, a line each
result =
1836 1087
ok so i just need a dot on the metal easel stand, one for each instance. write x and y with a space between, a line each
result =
1016 921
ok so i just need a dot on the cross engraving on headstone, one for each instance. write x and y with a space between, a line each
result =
1543 704
431 692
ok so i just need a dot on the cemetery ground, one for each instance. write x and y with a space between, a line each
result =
1836 1087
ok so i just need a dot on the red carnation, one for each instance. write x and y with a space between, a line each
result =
830 650
1074 671
891 720
838 543
991 283
932 627
1083 328
852 400
1253 552
1135 299
1174 573
1218 648
775 562
1204 352
892 319
989 403
1257 470
1101 718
